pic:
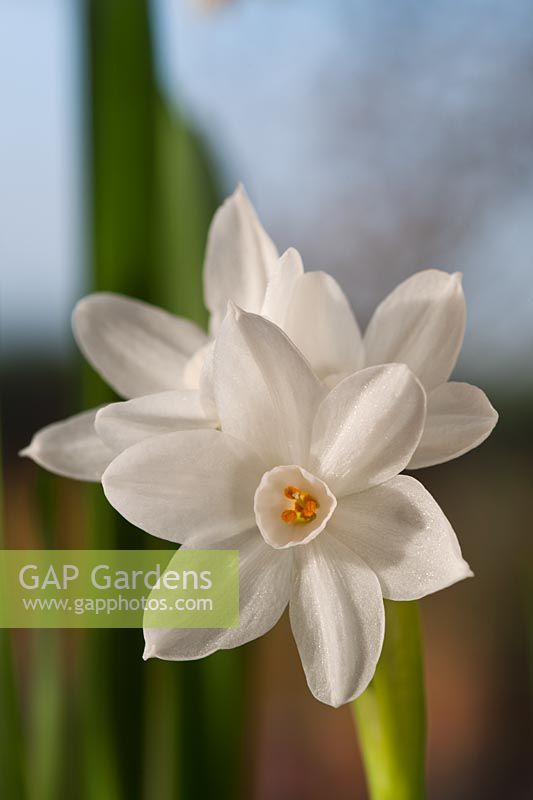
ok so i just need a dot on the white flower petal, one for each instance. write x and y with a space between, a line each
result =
322 325
240 258
71 448
264 593
281 287
137 348
459 418
188 487
121 425
337 618
367 428
207 389
192 372
265 392
402 534
421 324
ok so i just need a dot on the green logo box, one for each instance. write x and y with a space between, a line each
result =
119 588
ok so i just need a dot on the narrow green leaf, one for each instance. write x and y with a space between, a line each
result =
120 116
390 715
186 199
121 95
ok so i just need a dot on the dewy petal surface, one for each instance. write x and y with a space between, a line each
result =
264 593
459 418
337 619
71 448
137 348
240 257
121 425
402 534
189 487
367 428
265 392
421 324
322 325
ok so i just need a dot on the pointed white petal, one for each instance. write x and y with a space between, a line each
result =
367 428
264 594
137 348
337 618
321 324
459 418
240 258
188 487
121 425
402 534
265 392
71 448
421 324
281 287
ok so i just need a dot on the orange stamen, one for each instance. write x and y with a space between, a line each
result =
304 509
288 515
291 492
309 509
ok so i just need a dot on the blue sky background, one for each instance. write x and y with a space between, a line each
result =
379 138
41 243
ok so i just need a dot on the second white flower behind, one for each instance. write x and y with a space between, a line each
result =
305 483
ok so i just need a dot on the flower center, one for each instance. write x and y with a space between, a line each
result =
292 506
304 506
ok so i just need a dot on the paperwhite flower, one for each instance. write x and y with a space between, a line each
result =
421 324
139 349
303 481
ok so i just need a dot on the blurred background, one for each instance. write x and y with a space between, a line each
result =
377 138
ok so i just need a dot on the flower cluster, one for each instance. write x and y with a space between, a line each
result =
282 434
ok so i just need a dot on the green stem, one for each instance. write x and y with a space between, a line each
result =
390 715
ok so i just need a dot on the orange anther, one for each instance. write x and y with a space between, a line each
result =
309 509
288 515
291 492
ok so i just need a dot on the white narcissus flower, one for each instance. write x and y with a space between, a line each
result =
142 350
139 349
304 482
421 324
